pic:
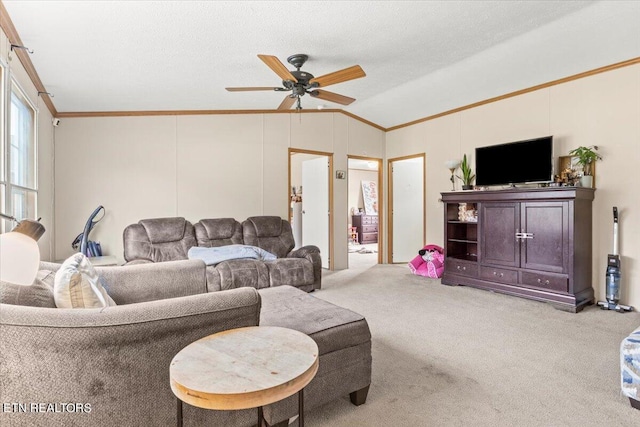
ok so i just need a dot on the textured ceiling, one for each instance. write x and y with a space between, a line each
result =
421 58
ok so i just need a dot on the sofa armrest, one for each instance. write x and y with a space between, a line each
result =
116 359
304 251
312 253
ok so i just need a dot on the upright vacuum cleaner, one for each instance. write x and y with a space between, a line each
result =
613 274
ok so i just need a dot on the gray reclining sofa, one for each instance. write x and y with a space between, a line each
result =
116 359
169 239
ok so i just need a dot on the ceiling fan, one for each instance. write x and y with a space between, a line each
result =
300 82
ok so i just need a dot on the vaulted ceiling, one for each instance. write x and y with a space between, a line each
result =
421 57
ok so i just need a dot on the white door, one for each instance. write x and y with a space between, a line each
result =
407 208
315 205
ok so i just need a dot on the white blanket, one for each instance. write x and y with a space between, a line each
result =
213 256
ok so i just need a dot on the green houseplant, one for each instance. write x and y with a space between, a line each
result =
467 174
586 156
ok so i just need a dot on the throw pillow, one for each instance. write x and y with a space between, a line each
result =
38 294
77 285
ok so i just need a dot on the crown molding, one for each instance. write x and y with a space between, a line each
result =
81 114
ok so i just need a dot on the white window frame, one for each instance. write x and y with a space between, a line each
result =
9 85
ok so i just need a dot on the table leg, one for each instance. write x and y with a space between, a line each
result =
260 417
179 413
301 408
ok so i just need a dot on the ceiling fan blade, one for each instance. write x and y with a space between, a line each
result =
245 89
287 103
350 73
330 96
278 67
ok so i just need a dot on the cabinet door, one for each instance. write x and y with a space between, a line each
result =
548 225
500 222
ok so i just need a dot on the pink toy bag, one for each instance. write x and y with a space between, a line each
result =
429 262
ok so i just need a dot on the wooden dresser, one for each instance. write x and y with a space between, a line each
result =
367 228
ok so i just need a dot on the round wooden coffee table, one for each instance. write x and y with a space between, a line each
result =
244 368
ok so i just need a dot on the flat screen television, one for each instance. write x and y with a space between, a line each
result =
519 162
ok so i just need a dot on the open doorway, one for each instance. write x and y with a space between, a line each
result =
406 207
311 195
364 211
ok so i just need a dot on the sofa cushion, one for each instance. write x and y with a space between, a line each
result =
162 230
266 226
211 233
270 233
38 294
158 239
331 327
77 285
290 271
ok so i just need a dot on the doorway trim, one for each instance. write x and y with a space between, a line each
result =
380 199
390 210
329 156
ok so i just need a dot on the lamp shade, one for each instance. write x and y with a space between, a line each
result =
19 258
452 164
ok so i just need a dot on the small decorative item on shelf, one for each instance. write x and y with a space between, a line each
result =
467 212
586 156
467 174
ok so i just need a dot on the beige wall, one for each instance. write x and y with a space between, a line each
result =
45 143
203 166
602 110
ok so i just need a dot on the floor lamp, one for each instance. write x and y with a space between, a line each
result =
19 252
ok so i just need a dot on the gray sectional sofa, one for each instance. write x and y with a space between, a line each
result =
169 239
116 359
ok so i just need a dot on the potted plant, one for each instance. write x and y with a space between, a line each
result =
586 156
467 174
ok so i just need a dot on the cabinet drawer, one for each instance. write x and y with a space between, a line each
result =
369 228
558 283
463 268
501 275
368 220
370 238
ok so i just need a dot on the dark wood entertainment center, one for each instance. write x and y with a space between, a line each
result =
530 242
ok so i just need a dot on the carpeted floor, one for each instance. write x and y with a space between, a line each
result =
458 356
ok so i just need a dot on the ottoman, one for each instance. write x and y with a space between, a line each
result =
344 344
630 367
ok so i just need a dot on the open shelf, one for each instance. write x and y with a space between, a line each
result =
463 241
464 257
462 234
